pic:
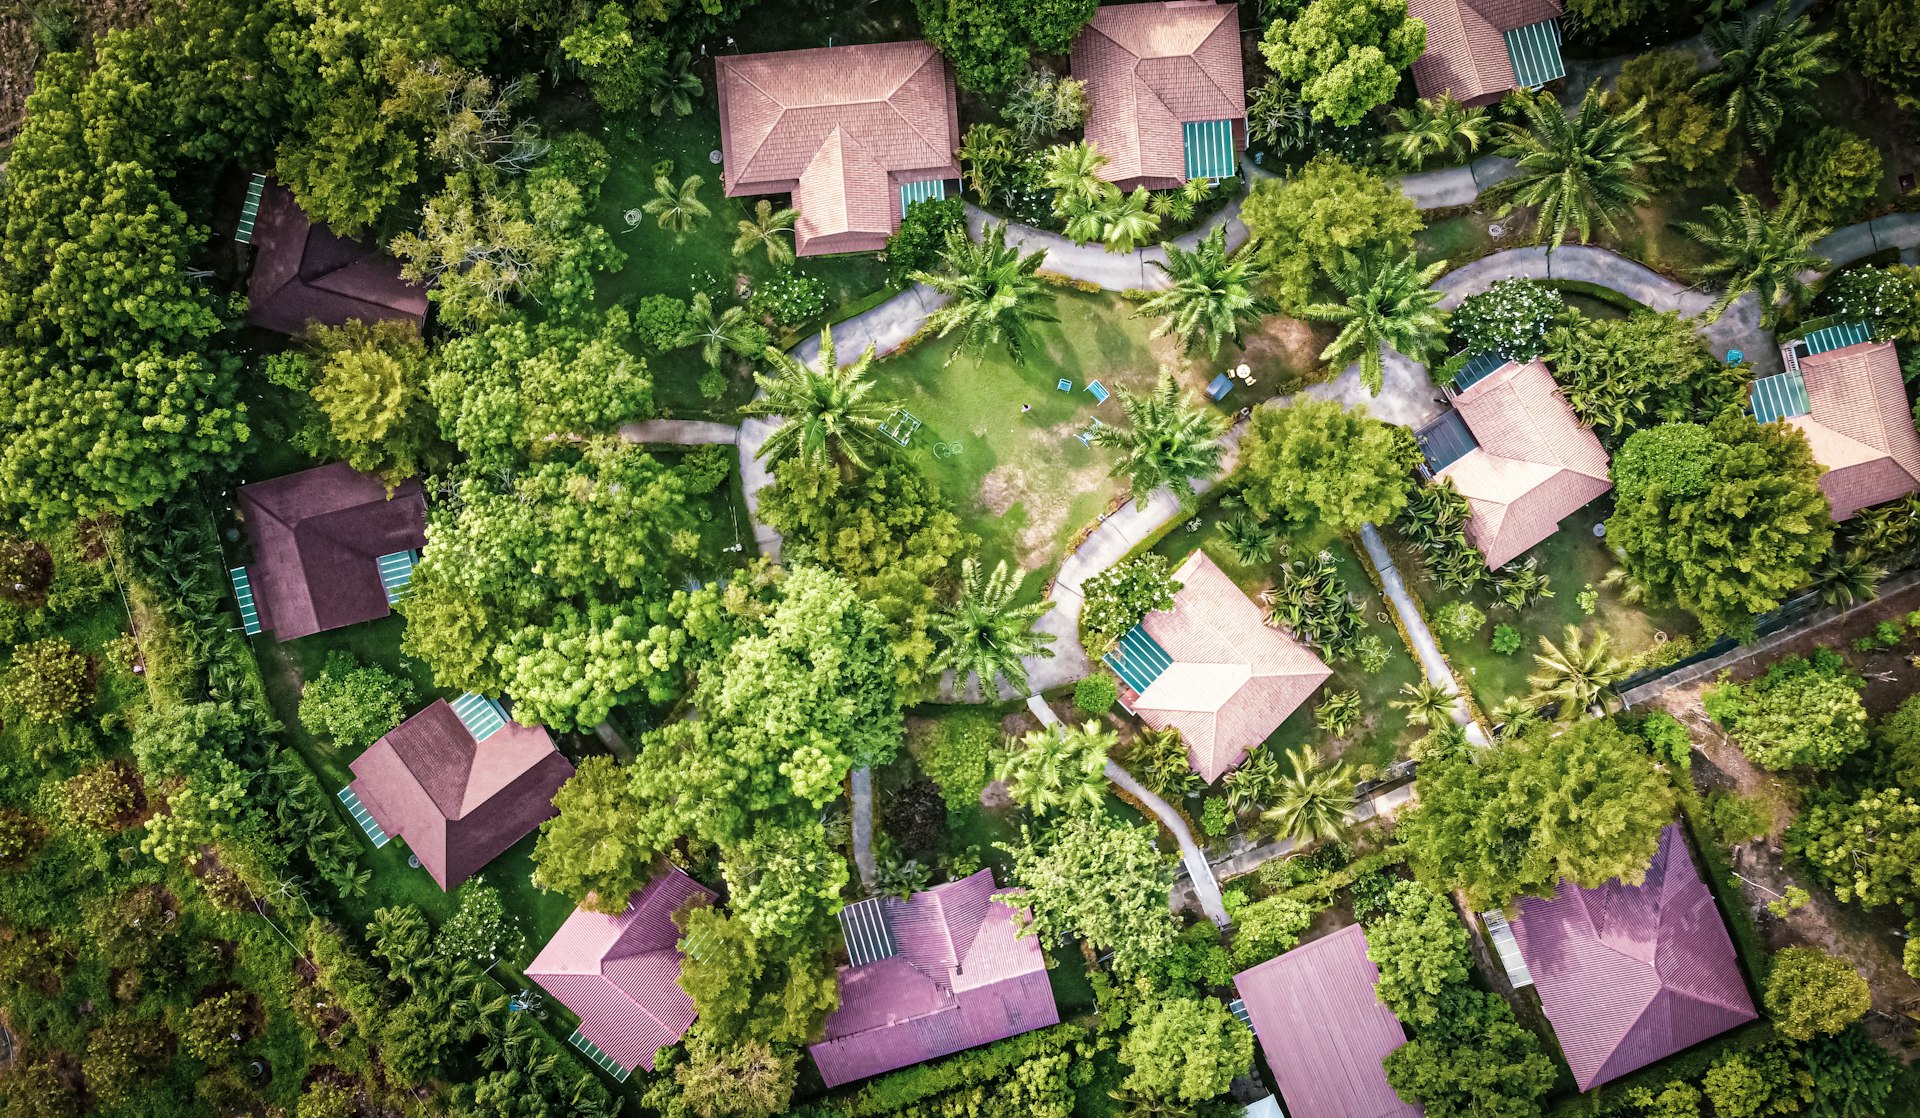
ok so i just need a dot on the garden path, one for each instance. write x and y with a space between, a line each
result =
862 797
681 432
1432 661
1206 888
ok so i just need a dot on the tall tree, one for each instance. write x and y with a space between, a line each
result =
369 384
1185 1049
1576 169
830 414
1770 63
1097 878
590 852
1304 225
1576 673
770 229
984 634
1172 441
1212 295
1757 251
1072 172
1390 302
1691 135
1316 460
1438 126
994 297
1062 767
1345 55
1312 802
677 206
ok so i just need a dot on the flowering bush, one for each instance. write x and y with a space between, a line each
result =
789 299
481 931
1886 298
1510 318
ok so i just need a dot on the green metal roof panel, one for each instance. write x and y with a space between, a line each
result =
250 210
1535 51
1780 396
1210 153
1445 441
1139 660
243 593
926 190
1477 368
600 1059
363 817
482 717
396 571
1836 337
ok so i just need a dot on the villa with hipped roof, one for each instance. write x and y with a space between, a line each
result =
305 273
1844 392
1514 449
1213 669
855 134
940 972
1477 50
620 974
1167 98
460 782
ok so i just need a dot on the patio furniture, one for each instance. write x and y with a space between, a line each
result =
1735 356
1064 385
901 426
1218 389
1086 436
1099 391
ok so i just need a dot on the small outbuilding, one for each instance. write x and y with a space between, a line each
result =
1845 393
1167 97
305 273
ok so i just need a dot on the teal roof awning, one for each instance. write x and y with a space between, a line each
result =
1780 396
363 817
1838 336
482 717
926 190
396 571
1139 660
250 210
600 1059
1477 369
1535 51
1445 441
243 593
1210 150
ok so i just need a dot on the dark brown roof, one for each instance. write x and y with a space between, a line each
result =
1466 54
317 540
304 273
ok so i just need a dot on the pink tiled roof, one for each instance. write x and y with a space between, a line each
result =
459 803
1233 679
1860 427
1466 45
304 273
621 974
1323 1030
1631 974
962 976
317 540
1150 68
1535 465
841 129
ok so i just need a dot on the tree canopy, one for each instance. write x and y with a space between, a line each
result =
1345 55
1309 222
1315 460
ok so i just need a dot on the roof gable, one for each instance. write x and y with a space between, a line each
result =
1860 426
1150 68
1467 53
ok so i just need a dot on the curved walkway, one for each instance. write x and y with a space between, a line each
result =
1433 662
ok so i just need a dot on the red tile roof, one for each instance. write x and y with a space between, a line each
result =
303 272
620 974
1631 974
962 976
841 129
1323 1030
1535 465
459 803
1860 427
1467 47
1233 679
317 540
1150 68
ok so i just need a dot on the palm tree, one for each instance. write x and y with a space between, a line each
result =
1515 716
1427 703
1576 673
1062 767
674 88
729 330
1213 293
1848 577
993 294
1073 171
1085 219
677 207
1315 802
766 228
985 633
1389 302
1575 169
1171 441
1769 65
989 152
1130 221
1438 126
1249 538
1754 250
829 413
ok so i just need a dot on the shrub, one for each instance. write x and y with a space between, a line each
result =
1458 620
1811 993
1215 818
1834 173
658 321
1420 946
1888 298
1755 1083
1118 597
1804 711
705 469
1506 639
481 931
48 680
916 245
1267 927
103 797
713 384
18 835
1669 740
353 703
789 299
1096 694
956 753
1885 635
25 569
215 1026
1510 318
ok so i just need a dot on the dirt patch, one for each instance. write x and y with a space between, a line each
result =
1007 489
1285 355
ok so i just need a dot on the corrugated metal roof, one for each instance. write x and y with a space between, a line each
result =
1838 336
1209 145
864 925
396 571
1476 369
1780 396
1445 441
1138 660
925 190
482 717
1535 51
364 817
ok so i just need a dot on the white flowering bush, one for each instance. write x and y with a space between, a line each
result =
789 299
1888 299
1510 318
481 931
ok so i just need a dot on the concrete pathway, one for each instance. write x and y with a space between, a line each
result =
681 432
1114 271
1427 650
1449 187
1844 246
862 797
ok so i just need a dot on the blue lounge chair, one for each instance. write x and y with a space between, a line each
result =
1064 385
1218 390
1099 391
1086 436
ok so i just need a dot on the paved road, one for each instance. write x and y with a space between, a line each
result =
1844 246
862 796
1432 662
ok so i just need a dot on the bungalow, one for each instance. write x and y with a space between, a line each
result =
1479 49
1631 974
1323 1029
331 548
856 134
1845 393
620 974
305 273
1516 452
1213 669
940 972
460 782
1167 96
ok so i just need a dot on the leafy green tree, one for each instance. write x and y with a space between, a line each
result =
353 703
1833 173
1731 536
1803 712
829 413
769 229
956 753
1063 767
1575 169
1118 597
1758 1082
1587 805
989 42
1619 375
727 1078
1346 55
1045 105
1128 221
748 987
1438 126
102 798
785 879
1173 441
1267 927
1754 250
1102 880
1576 673
1878 34
923 232
677 206
1896 736
1770 63
994 295
1212 295
1315 460
1314 802
1305 224
984 634
591 852
47 681
1186 1049
1420 946
368 383
1691 136
1852 1075
1390 303
1476 1061
1866 848
1811 993
621 63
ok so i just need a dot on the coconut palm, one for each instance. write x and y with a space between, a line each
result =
1575 169
993 295
1389 302
769 228
1515 715
1249 538
674 88
1315 802
1062 767
676 207
985 634
1073 171
728 330
1754 250
1253 782
1213 294
1159 758
829 412
1427 703
1576 673
1130 221
1846 578
1172 439
1438 126
1769 66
